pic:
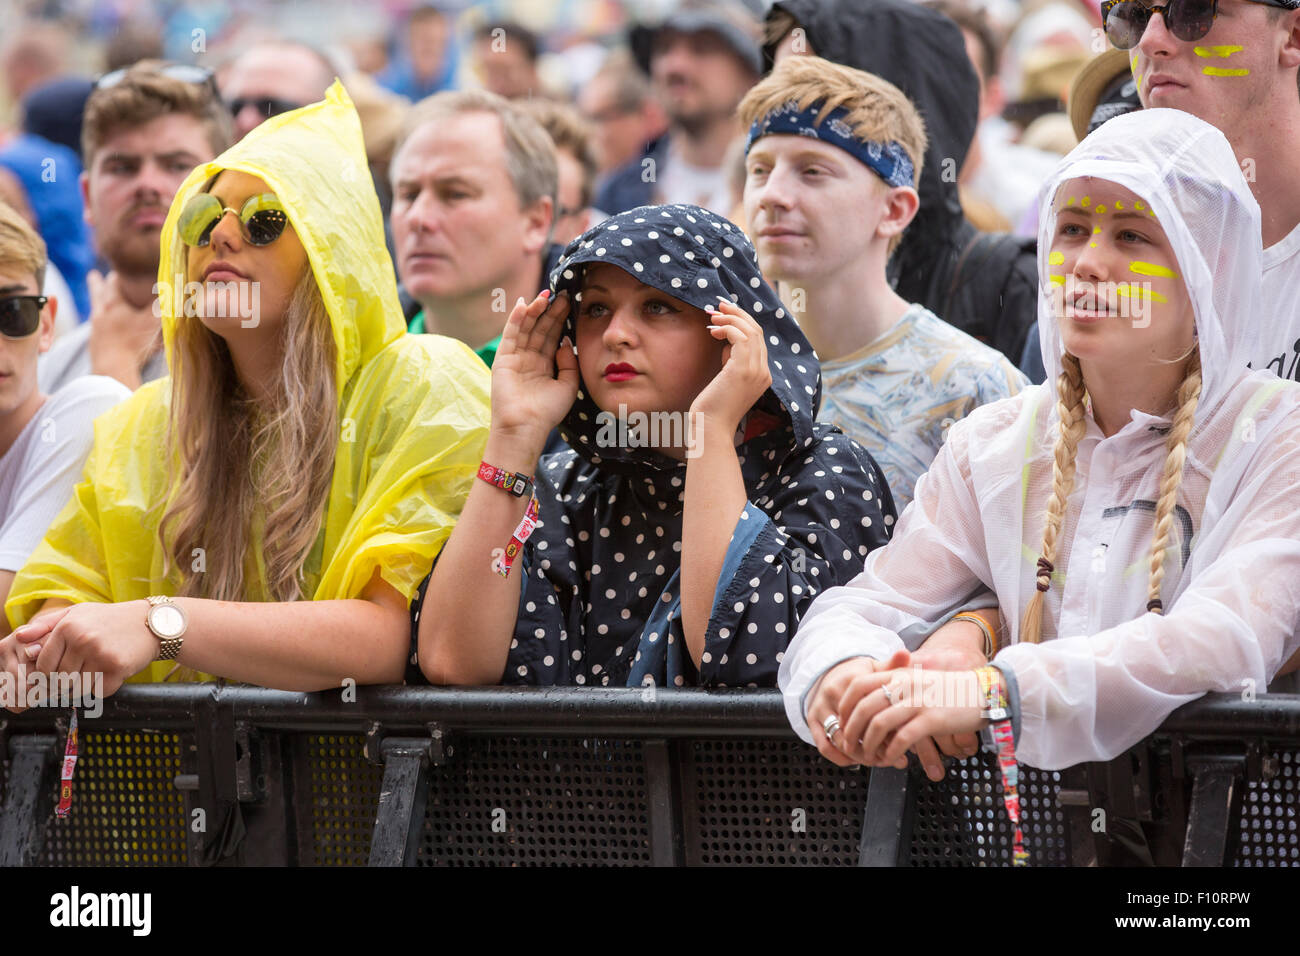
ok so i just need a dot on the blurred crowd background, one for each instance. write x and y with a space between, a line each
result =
579 54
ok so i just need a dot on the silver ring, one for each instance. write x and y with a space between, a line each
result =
888 696
832 726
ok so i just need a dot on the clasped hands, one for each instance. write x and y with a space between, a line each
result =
87 639
928 702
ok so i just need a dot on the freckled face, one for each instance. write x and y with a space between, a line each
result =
639 347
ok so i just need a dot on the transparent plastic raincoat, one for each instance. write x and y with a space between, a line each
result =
413 410
1108 672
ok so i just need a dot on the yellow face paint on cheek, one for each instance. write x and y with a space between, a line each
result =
1056 259
1221 52
1132 290
1137 267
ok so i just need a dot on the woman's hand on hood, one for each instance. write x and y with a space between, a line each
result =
535 374
745 375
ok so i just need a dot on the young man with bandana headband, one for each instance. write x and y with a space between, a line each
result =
682 553
832 164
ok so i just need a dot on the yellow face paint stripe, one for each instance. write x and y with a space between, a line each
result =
1218 71
1151 269
1056 280
1131 290
1219 51
1056 258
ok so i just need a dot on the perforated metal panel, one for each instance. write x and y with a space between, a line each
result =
538 802
1270 816
769 803
961 821
344 798
125 809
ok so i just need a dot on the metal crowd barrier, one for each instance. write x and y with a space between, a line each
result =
218 775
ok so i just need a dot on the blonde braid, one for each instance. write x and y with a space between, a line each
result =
1189 393
1069 409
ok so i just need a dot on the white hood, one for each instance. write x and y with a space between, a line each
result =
1175 161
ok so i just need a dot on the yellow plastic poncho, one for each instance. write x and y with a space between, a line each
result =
413 410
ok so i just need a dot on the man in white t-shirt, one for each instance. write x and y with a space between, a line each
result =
1241 77
44 440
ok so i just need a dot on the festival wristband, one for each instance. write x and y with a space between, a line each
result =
502 564
518 484
68 769
997 710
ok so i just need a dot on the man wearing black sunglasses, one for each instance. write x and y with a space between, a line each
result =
43 440
271 79
1234 64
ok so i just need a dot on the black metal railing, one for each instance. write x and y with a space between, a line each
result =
208 774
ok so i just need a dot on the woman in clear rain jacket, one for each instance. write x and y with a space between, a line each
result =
1135 517
661 555
292 481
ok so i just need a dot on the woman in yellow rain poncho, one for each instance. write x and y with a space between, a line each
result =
293 480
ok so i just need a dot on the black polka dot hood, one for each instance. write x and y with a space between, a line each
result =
694 256
601 603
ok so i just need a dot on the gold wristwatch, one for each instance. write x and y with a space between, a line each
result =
168 623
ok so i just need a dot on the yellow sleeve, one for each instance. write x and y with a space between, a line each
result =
411 437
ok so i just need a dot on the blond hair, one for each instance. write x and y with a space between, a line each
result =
877 111
245 465
143 95
21 245
1070 411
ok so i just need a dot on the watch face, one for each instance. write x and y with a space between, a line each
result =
166 620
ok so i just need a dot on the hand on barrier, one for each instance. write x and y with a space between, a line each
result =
108 639
913 706
957 646
846 683
18 653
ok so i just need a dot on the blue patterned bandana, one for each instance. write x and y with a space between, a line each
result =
889 161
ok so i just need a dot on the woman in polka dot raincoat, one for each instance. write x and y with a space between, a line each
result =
698 508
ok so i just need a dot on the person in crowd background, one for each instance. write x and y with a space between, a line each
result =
683 553
40 181
833 159
426 57
626 118
474 187
283 492
44 439
272 78
145 129
575 159
700 61
505 60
